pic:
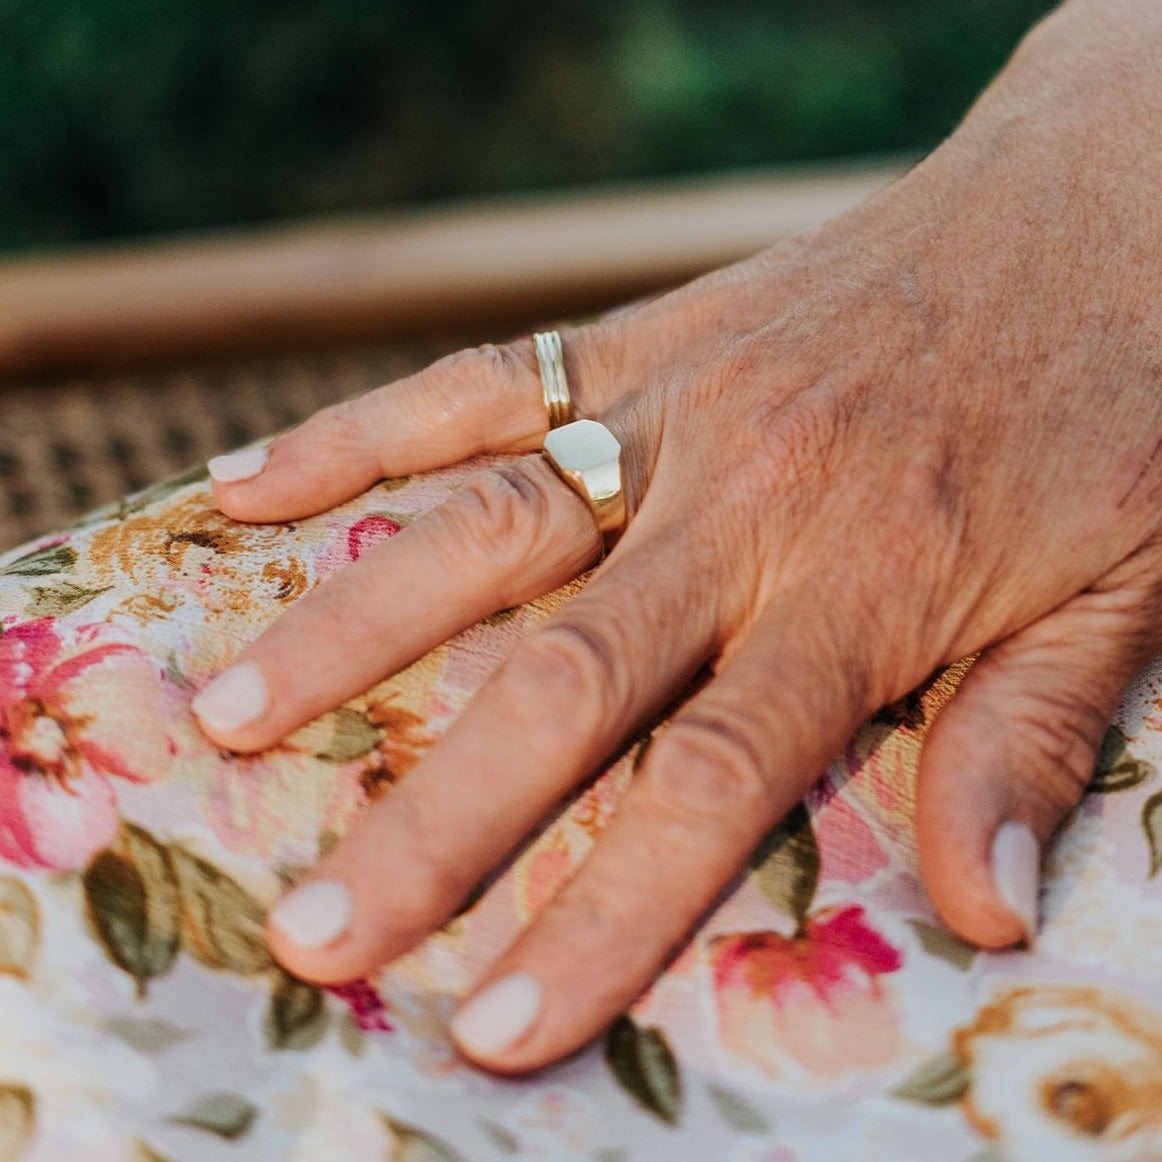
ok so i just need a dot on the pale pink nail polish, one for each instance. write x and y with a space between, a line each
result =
1016 860
235 466
314 915
237 696
499 1015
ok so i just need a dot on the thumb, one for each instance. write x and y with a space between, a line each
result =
1011 755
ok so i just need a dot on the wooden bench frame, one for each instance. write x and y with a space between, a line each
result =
517 257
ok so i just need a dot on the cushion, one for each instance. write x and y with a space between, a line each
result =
822 1012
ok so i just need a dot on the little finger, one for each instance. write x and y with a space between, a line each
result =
1013 752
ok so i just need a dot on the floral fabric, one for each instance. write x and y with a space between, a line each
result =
822 1013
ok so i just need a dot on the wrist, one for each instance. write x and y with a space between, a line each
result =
1088 64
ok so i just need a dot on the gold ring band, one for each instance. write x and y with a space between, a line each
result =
553 383
587 457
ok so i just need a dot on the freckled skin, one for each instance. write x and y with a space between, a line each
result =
927 430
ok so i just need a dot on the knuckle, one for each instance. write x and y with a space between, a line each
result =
1059 743
502 512
446 394
484 361
340 426
335 611
487 364
925 514
1129 602
569 670
426 405
604 913
708 766
430 884
425 897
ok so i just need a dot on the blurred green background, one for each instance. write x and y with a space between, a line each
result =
123 117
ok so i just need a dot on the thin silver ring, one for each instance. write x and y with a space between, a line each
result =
553 383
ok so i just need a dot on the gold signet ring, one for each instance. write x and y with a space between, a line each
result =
553 383
587 457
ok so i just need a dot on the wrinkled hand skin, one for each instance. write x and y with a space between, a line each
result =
931 428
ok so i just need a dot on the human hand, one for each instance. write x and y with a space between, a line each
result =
930 429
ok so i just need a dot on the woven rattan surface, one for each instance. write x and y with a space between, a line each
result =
70 445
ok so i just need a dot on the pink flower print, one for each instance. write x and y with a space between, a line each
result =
367 1006
348 542
69 722
848 847
814 1001
368 532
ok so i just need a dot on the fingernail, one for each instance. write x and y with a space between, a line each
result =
1017 873
234 698
238 465
315 914
499 1016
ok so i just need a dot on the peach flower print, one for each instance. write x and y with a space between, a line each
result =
814 1002
1068 1073
70 721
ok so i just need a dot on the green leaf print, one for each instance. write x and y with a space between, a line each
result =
222 925
140 501
146 1034
1116 768
1152 822
225 1114
736 1112
42 562
938 941
132 901
939 1081
410 1144
351 736
645 1067
394 484
351 1037
502 1139
175 674
786 865
60 599
297 1017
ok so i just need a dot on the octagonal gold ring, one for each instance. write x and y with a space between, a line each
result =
587 456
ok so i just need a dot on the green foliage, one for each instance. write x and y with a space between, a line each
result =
644 1065
127 116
